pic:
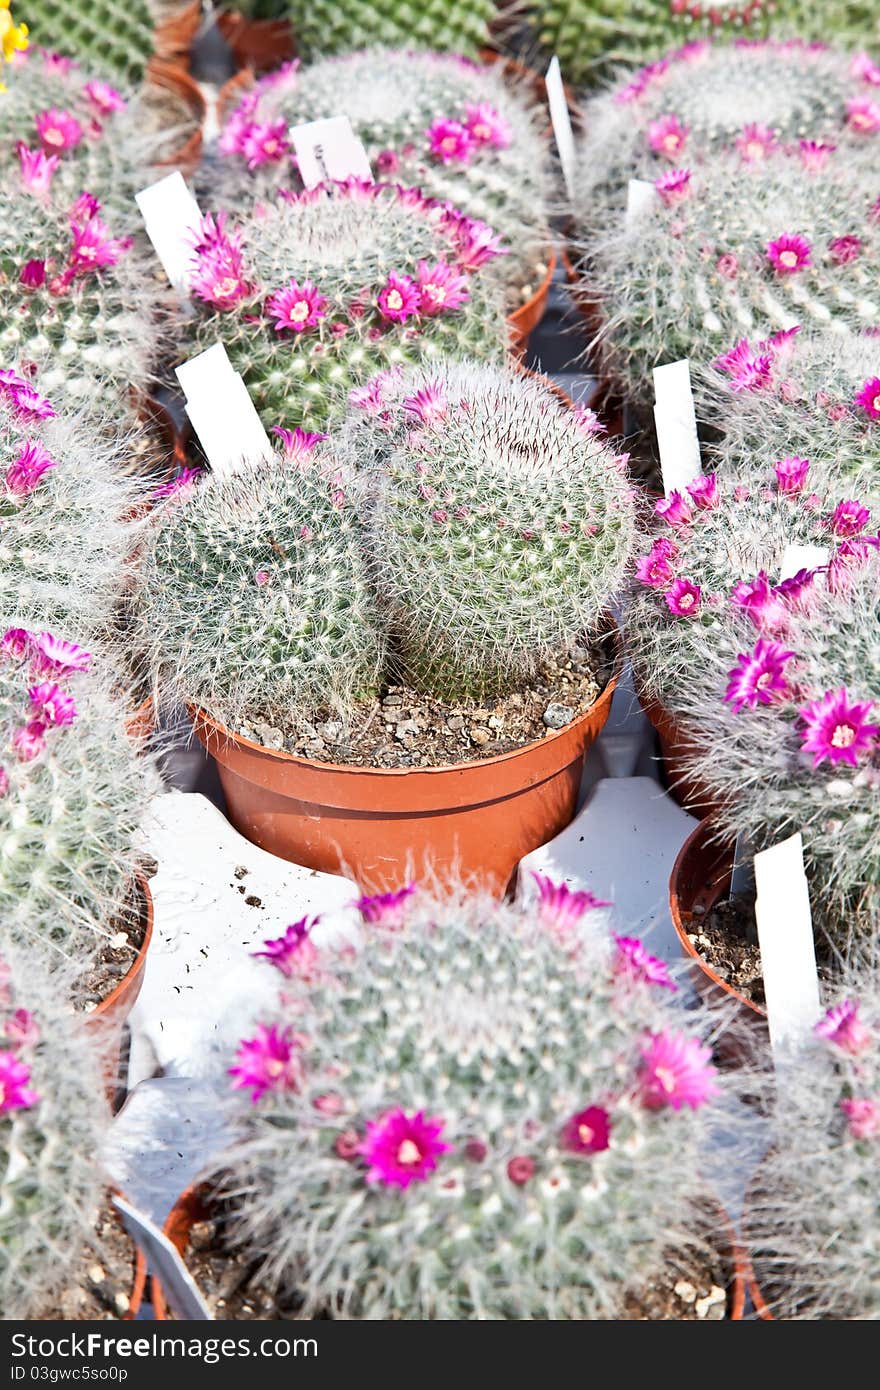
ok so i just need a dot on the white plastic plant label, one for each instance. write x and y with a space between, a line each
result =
788 953
802 557
676 424
178 1285
560 118
329 151
222 412
640 197
171 217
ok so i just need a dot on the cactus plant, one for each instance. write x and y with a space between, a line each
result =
735 249
73 793
776 681
591 36
707 97
314 294
52 1120
470 547
322 29
811 1213
114 38
64 543
457 131
485 1111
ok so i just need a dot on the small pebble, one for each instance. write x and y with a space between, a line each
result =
331 731
496 722
97 1274
717 1311
407 728
716 1294
557 716
391 700
455 722
253 901
480 737
479 715
270 737
685 1290
240 871
119 940
121 1302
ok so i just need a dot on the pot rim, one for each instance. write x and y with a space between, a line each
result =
219 730
122 986
540 293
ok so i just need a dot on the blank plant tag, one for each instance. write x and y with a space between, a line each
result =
802 557
742 879
222 412
329 151
560 118
788 953
165 1264
640 197
171 217
676 424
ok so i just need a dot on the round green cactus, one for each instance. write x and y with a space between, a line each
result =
114 37
314 294
457 131
323 28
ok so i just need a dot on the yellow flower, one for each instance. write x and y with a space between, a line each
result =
13 37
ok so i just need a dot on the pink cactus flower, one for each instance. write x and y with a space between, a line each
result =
758 677
791 474
477 244
58 131
398 300
267 1062
33 275
386 910
749 370
588 1131
25 400
50 705
237 128
179 486
863 68
4 790
836 728
93 247
637 964
761 603
297 307
684 598
28 742
104 98
843 249
16 642
863 1117
863 115
37 169
521 1169
298 443
756 142
56 63
674 185
22 1029
849 518
15 1090
654 569
450 141
667 137
674 510
868 398
486 127
676 1071
587 420
401 1149
265 144
842 1026
815 154
704 492
25 471
387 162
789 254
727 265
294 953
85 208
440 288
560 908
53 655
429 404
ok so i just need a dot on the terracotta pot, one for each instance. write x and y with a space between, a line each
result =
677 749
141 723
258 44
173 38
172 78
526 318
383 825
701 878
194 1205
110 1015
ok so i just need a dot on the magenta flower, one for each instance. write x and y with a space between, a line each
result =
28 742
868 397
398 300
762 604
749 370
237 128
862 66
218 277
843 249
683 599
58 130
587 420
33 275
401 1149
633 960
181 483
16 641
386 909
849 518
561 908
387 162
56 63
796 590
727 265
267 1062
758 677
4 782
789 254
104 98
22 1029
50 705
25 471
450 140
298 443
863 1117
588 1132
667 137
486 127
24 399
521 1169
265 144
15 1092
674 509
429 404
37 169
837 728
704 492
674 185
53 654
815 153
755 142
842 1026
654 568
85 207
94 247
675 1071
297 307
440 288
294 953
863 115
791 474
477 244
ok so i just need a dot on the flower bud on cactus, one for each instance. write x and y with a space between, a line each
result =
64 545
73 793
494 1101
314 294
500 526
52 1120
741 250
811 1215
457 131
323 28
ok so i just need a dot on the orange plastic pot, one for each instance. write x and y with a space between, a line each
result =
678 750
141 723
382 825
172 78
108 1018
526 318
258 44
